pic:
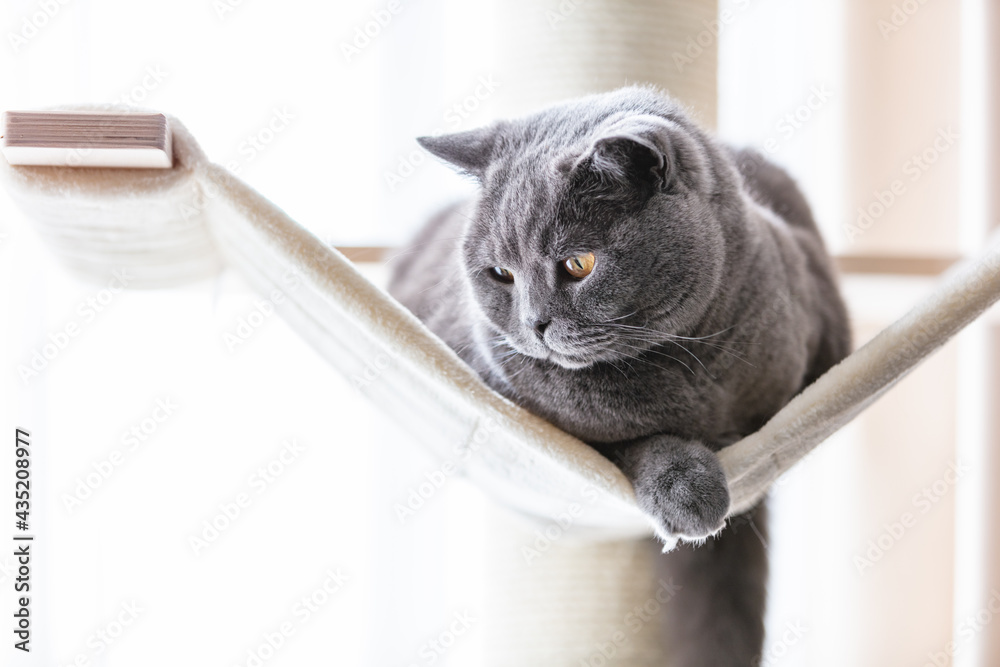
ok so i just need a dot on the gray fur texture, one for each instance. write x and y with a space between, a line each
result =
710 304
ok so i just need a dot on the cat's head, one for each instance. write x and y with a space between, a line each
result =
596 232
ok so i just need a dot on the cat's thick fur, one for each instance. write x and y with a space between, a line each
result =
711 303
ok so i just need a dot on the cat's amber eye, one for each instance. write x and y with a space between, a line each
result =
579 266
502 274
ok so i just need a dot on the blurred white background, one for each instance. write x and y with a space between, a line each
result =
323 124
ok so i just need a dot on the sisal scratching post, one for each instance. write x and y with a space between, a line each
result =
554 50
558 598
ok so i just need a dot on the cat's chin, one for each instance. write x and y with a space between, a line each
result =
569 363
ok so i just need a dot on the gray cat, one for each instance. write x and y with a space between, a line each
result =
651 291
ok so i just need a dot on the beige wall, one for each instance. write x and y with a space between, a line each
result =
903 90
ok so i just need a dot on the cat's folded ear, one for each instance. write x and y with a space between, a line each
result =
471 151
642 151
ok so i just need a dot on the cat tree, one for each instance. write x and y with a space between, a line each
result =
173 226
170 227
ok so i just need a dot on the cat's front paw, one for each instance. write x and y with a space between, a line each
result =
686 498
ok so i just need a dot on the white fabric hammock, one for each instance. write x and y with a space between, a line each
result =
173 226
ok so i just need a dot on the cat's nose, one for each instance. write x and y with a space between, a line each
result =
540 327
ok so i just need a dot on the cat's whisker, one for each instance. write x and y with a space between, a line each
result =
717 333
735 355
624 374
713 344
521 369
622 317
510 353
695 358
494 340
625 361
646 361
721 348
652 336
664 333
588 339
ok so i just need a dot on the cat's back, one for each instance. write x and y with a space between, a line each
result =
773 188
426 276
